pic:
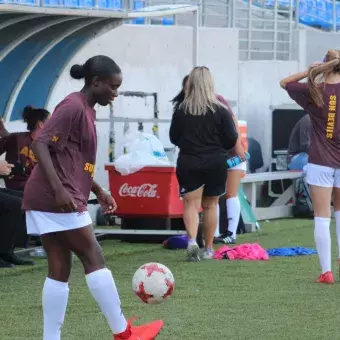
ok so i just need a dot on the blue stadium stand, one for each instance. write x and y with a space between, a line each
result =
37 41
315 13
139 5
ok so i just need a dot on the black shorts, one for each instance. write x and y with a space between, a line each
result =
213 180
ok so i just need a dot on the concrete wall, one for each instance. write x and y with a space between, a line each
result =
310 45
259 90
155 59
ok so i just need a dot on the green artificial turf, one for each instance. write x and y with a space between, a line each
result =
269 300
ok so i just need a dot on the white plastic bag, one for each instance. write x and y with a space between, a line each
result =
145 150
149 144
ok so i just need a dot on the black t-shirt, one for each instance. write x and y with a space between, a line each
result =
203 140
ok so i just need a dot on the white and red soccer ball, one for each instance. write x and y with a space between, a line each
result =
153 283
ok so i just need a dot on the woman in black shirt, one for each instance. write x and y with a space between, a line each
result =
204 131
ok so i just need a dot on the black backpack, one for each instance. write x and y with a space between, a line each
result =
303 203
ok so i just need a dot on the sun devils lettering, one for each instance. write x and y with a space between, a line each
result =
90 169
144 190
28 153
331 117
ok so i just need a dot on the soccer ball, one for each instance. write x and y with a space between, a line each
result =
153 283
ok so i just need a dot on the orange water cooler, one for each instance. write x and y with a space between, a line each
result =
243 127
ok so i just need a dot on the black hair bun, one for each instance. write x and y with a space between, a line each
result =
27 112
77 71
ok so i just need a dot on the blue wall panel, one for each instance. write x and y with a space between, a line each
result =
15 63
38 85
12 67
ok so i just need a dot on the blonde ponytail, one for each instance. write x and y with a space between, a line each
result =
317 73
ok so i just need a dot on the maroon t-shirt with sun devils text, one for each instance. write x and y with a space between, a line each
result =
18 150
71 136
325 133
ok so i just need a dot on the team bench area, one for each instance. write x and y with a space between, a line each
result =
147 195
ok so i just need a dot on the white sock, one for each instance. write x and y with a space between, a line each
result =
103 289
233 212
322 238
217 232
54 302
191 242
337 224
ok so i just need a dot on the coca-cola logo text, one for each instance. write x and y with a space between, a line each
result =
146 190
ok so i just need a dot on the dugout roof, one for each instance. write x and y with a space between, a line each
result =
36 43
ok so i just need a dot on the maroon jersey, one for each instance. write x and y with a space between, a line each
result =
18 150
325 132
71 136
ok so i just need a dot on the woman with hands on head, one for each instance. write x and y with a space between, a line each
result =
320 98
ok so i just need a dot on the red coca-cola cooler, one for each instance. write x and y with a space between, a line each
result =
151 192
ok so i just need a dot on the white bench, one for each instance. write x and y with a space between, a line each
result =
282 206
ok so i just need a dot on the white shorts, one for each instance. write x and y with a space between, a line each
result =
323 176
39 223
242 166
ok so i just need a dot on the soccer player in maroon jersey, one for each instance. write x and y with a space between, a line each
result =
17 147
319 97
55 200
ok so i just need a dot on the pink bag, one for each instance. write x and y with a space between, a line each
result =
247 251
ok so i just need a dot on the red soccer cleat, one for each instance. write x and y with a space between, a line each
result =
326 278
148 331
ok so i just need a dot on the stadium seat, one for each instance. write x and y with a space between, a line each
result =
71 3
269 4
102 4
86 3
137 4
110 4
53 3
284 3
322 12
305 12
27 2
114 4
338 15
140 4
169 21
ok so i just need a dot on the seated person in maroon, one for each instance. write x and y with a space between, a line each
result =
321 100
17 147
55 200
